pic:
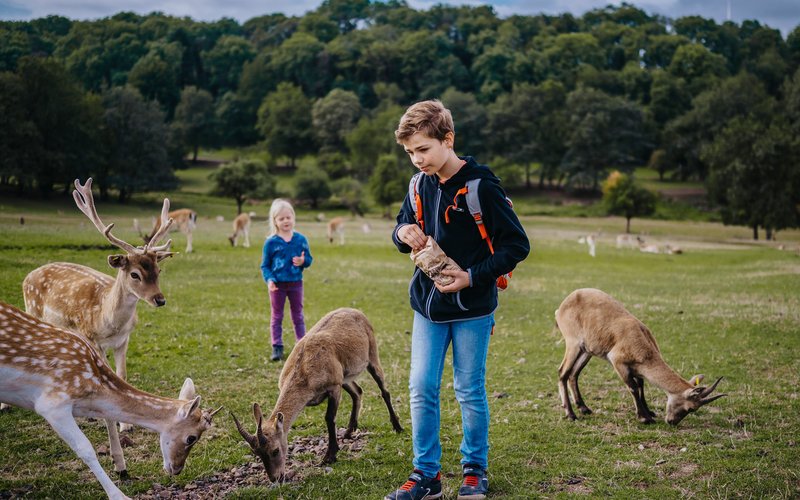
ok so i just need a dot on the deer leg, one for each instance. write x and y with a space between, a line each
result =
627 376
116 449
334 395
354 390
121 368
580 364
64 424
374 369
640 381
246 238
189 242
570 357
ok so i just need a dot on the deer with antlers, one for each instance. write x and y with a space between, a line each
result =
60 376
93 304
185 221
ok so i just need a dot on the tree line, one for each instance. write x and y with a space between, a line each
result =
545 99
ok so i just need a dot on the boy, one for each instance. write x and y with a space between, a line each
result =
461 312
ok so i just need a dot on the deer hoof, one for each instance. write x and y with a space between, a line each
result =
585 410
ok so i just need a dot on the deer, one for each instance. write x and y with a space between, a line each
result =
60 375
241 227
336 227
185 221
595 324
328 359
93 304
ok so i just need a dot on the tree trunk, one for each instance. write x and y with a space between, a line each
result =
194 158
769 233
541 176
627 225
527 175
239 203
755 231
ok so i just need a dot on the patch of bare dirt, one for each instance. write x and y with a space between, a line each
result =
298 466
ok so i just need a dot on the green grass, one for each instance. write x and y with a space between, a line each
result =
727 307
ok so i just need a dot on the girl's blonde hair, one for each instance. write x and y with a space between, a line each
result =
278 205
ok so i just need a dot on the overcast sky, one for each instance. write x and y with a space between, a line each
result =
781 14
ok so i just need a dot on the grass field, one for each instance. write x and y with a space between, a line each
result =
726 307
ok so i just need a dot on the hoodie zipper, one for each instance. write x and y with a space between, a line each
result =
435 237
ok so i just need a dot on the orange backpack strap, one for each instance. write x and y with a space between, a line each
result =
416 199
474 207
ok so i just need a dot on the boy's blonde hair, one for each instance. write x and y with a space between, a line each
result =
278 206
429 117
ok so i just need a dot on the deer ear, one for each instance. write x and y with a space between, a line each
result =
279 422
187 390
189 407
117 261
695 381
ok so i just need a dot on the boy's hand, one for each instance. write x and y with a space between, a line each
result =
300 259
271 286
412 235
461 281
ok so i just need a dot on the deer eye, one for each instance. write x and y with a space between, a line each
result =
136 276
191 440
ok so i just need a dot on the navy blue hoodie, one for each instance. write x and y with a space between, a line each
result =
461 240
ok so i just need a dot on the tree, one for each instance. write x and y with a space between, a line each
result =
333 117
388 183
350 193
284 120
606 132
156 75
225 61
313 184
243 179
755 174
136 145
371 138
622 196
194 118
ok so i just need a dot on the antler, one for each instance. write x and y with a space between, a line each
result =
85 201
165 222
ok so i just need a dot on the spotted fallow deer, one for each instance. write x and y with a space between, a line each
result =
60 376
241 227
185 221
328 359
594 324
93 304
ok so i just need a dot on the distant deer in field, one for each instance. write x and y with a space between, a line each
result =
60 376
328 359
93 304
241 227
594 324
336 227
185 221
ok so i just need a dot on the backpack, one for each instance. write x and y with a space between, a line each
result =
470 192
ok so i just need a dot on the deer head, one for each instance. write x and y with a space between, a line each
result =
270 444
188 424
139 265
690 400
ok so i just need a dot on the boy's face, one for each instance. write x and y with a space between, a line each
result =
429 155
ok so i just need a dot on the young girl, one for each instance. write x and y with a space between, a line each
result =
285 255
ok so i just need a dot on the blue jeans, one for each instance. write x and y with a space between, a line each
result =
429 344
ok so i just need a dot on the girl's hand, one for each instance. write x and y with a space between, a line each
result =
271 286
461 281
300 259
412 236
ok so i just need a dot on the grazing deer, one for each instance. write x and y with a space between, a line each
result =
241 227
336 227
594 324
626 241
93 304
185 221
328 359
60 376
647 248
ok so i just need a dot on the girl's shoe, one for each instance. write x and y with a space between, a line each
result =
277 352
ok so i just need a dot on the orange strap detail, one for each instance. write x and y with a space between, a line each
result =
454 206
418 200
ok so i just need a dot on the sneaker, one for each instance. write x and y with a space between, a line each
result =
418 487
475 485
277 352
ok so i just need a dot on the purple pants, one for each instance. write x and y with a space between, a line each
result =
294 291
